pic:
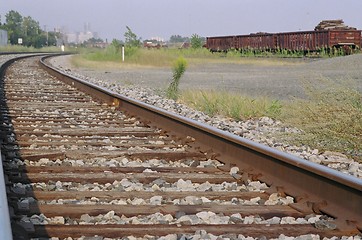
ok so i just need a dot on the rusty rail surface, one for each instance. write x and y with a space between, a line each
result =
316 189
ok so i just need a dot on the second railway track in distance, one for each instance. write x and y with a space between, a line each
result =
77 167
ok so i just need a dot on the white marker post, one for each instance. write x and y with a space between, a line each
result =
122 53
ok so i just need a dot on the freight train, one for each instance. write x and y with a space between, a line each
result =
304 41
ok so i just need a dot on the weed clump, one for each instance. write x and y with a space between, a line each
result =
178 70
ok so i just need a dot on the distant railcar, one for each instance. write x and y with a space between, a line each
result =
293 41
220 44
262 41
316 40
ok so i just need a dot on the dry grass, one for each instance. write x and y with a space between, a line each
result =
331 118
80 62
165 58
230 105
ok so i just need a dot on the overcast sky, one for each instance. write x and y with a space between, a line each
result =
163 18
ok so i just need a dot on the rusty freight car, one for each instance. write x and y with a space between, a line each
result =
221 43
345 38
316 40
262 41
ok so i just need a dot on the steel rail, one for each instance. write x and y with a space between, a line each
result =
5 223
315 187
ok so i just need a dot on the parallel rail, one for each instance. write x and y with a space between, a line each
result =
5 225
317 189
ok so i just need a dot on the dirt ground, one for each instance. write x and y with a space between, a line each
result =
272 79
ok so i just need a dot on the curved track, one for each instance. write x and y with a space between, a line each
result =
107 165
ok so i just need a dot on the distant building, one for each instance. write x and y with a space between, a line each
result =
3 37
84 36
154 42
72 37
81 37
158 39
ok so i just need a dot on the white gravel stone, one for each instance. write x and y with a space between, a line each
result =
147 170
58 184
287 200
253 201
206 186
43 162
184 185
156 200
169 237
57 220
205 215
234 170
248 219
85 218
256 185
288 220
205 200
314 219
273 199
274 220
185 220
283 237
109 215
138 201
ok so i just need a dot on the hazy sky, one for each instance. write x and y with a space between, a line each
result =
164 18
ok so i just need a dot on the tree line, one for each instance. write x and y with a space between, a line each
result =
28 30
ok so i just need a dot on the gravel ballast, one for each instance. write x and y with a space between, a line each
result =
260 130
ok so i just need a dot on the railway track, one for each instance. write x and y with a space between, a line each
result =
77 167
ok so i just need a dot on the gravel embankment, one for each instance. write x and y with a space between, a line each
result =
132 84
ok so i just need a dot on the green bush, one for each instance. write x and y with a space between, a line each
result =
196 41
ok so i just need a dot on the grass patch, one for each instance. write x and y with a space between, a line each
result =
18 48
231 105
142 57
166 56
331 117
110 54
